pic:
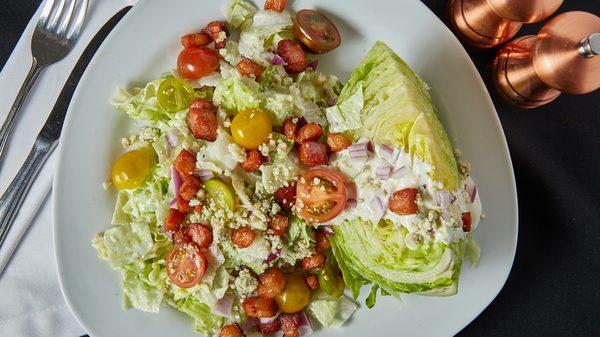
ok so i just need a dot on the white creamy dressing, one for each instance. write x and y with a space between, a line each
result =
423 227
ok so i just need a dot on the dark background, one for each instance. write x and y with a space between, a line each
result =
554 286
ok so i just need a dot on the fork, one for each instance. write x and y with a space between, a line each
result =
54 36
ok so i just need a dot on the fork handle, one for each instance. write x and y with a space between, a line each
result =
13 197
10 120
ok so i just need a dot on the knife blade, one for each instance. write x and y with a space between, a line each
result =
47 139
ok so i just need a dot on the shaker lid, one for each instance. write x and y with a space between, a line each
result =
566 53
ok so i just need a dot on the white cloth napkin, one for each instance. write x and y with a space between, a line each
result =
31 303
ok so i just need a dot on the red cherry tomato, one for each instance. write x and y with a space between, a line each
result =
195 62
321 195
185 265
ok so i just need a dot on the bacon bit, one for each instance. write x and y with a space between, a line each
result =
289 322
276 5
337 143
254 160
215 30
202 120
269 328
286 196
292 53
279 224
403 202
250 69
185 163
183 205
322 243
231 330
271 283
311 131
201 234
466 219
315 261
173 221
189 188
313 281
260 307
290 127
197 39
313 153
243 237
181 237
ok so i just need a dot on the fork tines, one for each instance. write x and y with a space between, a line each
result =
63 17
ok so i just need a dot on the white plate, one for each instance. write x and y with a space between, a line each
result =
145 44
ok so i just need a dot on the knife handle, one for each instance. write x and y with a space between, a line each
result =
13 197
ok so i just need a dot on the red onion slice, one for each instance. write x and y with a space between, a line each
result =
358 151
223 306
205 174
172 137
442 198
273 256
401 172
395 155
278 61
471 188
177 180
268 56
351 203
167 147
383 172
173 204
305 329
385 152
314 64
377 208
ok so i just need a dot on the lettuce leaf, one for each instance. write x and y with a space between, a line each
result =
141 103
346 116
144 285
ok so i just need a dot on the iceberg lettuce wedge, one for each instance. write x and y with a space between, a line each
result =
395 109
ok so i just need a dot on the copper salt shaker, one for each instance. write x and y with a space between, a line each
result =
484 24
533 70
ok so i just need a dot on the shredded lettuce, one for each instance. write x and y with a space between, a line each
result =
234 95
266 25
330 311
205 321
140 103
238 12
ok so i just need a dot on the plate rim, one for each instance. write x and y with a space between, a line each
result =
57 181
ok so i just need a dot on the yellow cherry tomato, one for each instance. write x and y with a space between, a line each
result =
250 128
220 193
131 168
295 296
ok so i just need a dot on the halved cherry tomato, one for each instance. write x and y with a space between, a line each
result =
131 168
196 62
250 128
321 195
220 193
174 94
185 265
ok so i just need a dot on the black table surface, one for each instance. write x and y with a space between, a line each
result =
554 285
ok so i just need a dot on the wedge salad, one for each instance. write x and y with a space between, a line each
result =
258 188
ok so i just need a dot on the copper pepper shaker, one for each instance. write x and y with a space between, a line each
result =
486 24
533 70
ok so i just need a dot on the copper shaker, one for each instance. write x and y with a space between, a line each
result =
533 70
484 24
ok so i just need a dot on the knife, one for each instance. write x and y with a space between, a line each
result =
47 139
